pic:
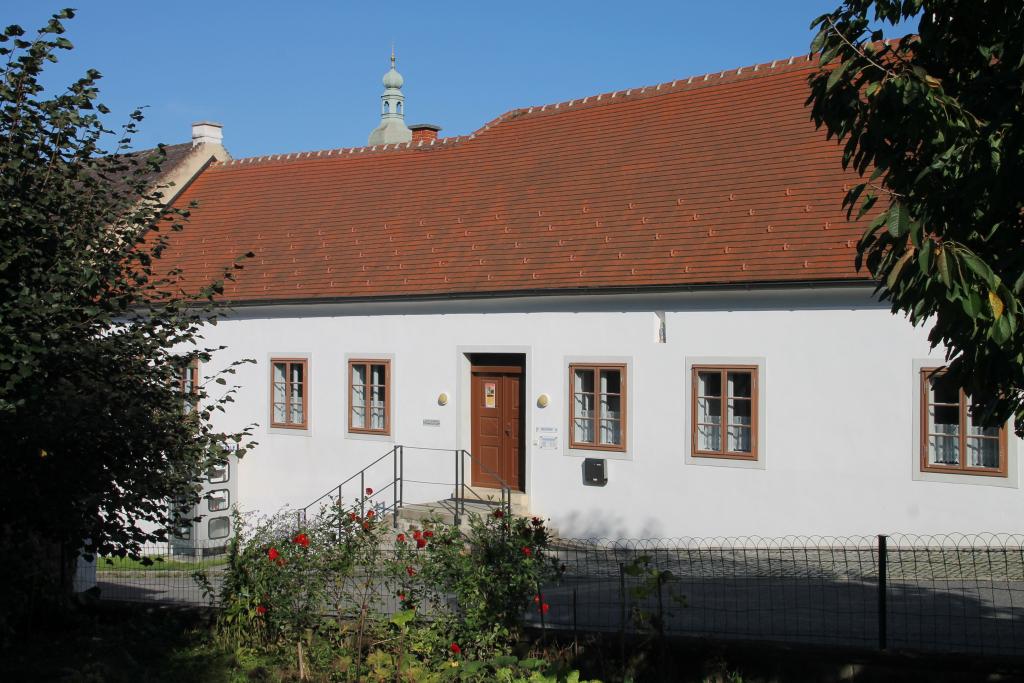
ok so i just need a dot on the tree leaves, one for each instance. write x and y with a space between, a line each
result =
934 118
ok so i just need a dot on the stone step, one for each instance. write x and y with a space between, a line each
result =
412 516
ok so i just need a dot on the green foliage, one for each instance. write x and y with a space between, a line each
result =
934 124
331 585
495 573
93 332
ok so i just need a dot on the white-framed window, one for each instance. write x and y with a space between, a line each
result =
218 527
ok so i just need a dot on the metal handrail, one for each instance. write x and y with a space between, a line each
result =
461 486
398 467
397 485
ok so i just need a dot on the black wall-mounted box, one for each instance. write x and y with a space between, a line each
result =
594 472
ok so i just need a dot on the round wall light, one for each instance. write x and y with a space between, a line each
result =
442 399
543 400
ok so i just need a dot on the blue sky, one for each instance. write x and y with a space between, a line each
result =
293 76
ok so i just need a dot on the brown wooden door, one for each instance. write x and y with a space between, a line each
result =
497 427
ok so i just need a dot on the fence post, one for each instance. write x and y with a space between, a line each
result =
882 591
458 489
622 615
394 487
362 493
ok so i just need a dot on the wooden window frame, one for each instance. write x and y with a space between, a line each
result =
304 362
624 407
755 407
386 362
963 467
192 370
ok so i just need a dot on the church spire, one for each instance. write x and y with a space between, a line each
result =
392 126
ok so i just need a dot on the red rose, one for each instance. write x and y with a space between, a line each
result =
536 521
301 539
352 517
410 571
369 491
370 514
527 551
401 596
544 608
366 526
400 538
454 647
499 513
421 542
417 535
536 599
261 610
273 554
428 534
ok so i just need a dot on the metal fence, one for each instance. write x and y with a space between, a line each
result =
953 593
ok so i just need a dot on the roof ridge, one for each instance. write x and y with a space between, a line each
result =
727 76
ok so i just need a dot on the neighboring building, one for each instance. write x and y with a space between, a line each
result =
659 278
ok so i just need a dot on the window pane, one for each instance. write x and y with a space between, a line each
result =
584 381
359 406
611 406
983 452
978 430
611 382
280 413
377 407
377 374
583 430
709 438
739 411
944 391
740 384
943 450
709 410
217 473
219 500
296 412
739 439
218 527
944 420
611 432
296 373
709 384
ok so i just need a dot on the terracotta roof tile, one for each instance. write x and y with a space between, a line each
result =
717 179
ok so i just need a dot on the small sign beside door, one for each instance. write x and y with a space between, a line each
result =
489 395
547 438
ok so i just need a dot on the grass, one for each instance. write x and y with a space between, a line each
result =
160 564
128 643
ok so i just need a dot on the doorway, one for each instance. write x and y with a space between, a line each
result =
497 419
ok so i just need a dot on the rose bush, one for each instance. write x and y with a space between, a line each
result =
356 592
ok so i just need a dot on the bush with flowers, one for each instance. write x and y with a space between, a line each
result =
346 592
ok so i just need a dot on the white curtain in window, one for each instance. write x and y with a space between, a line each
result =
377 397
583 406
297 409
280 398
359 396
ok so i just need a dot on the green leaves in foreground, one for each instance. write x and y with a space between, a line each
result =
933 123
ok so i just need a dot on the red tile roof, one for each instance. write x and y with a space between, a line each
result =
713 180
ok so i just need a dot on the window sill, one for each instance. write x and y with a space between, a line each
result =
582 451
290 431
724 456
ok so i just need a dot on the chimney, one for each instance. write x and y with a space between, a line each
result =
204 132
424 132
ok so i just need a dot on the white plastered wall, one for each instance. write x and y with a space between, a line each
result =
837 423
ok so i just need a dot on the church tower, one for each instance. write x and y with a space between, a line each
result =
392 126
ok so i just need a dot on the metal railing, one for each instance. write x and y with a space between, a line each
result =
950 593
462 492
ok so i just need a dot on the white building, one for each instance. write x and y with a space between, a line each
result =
602 279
